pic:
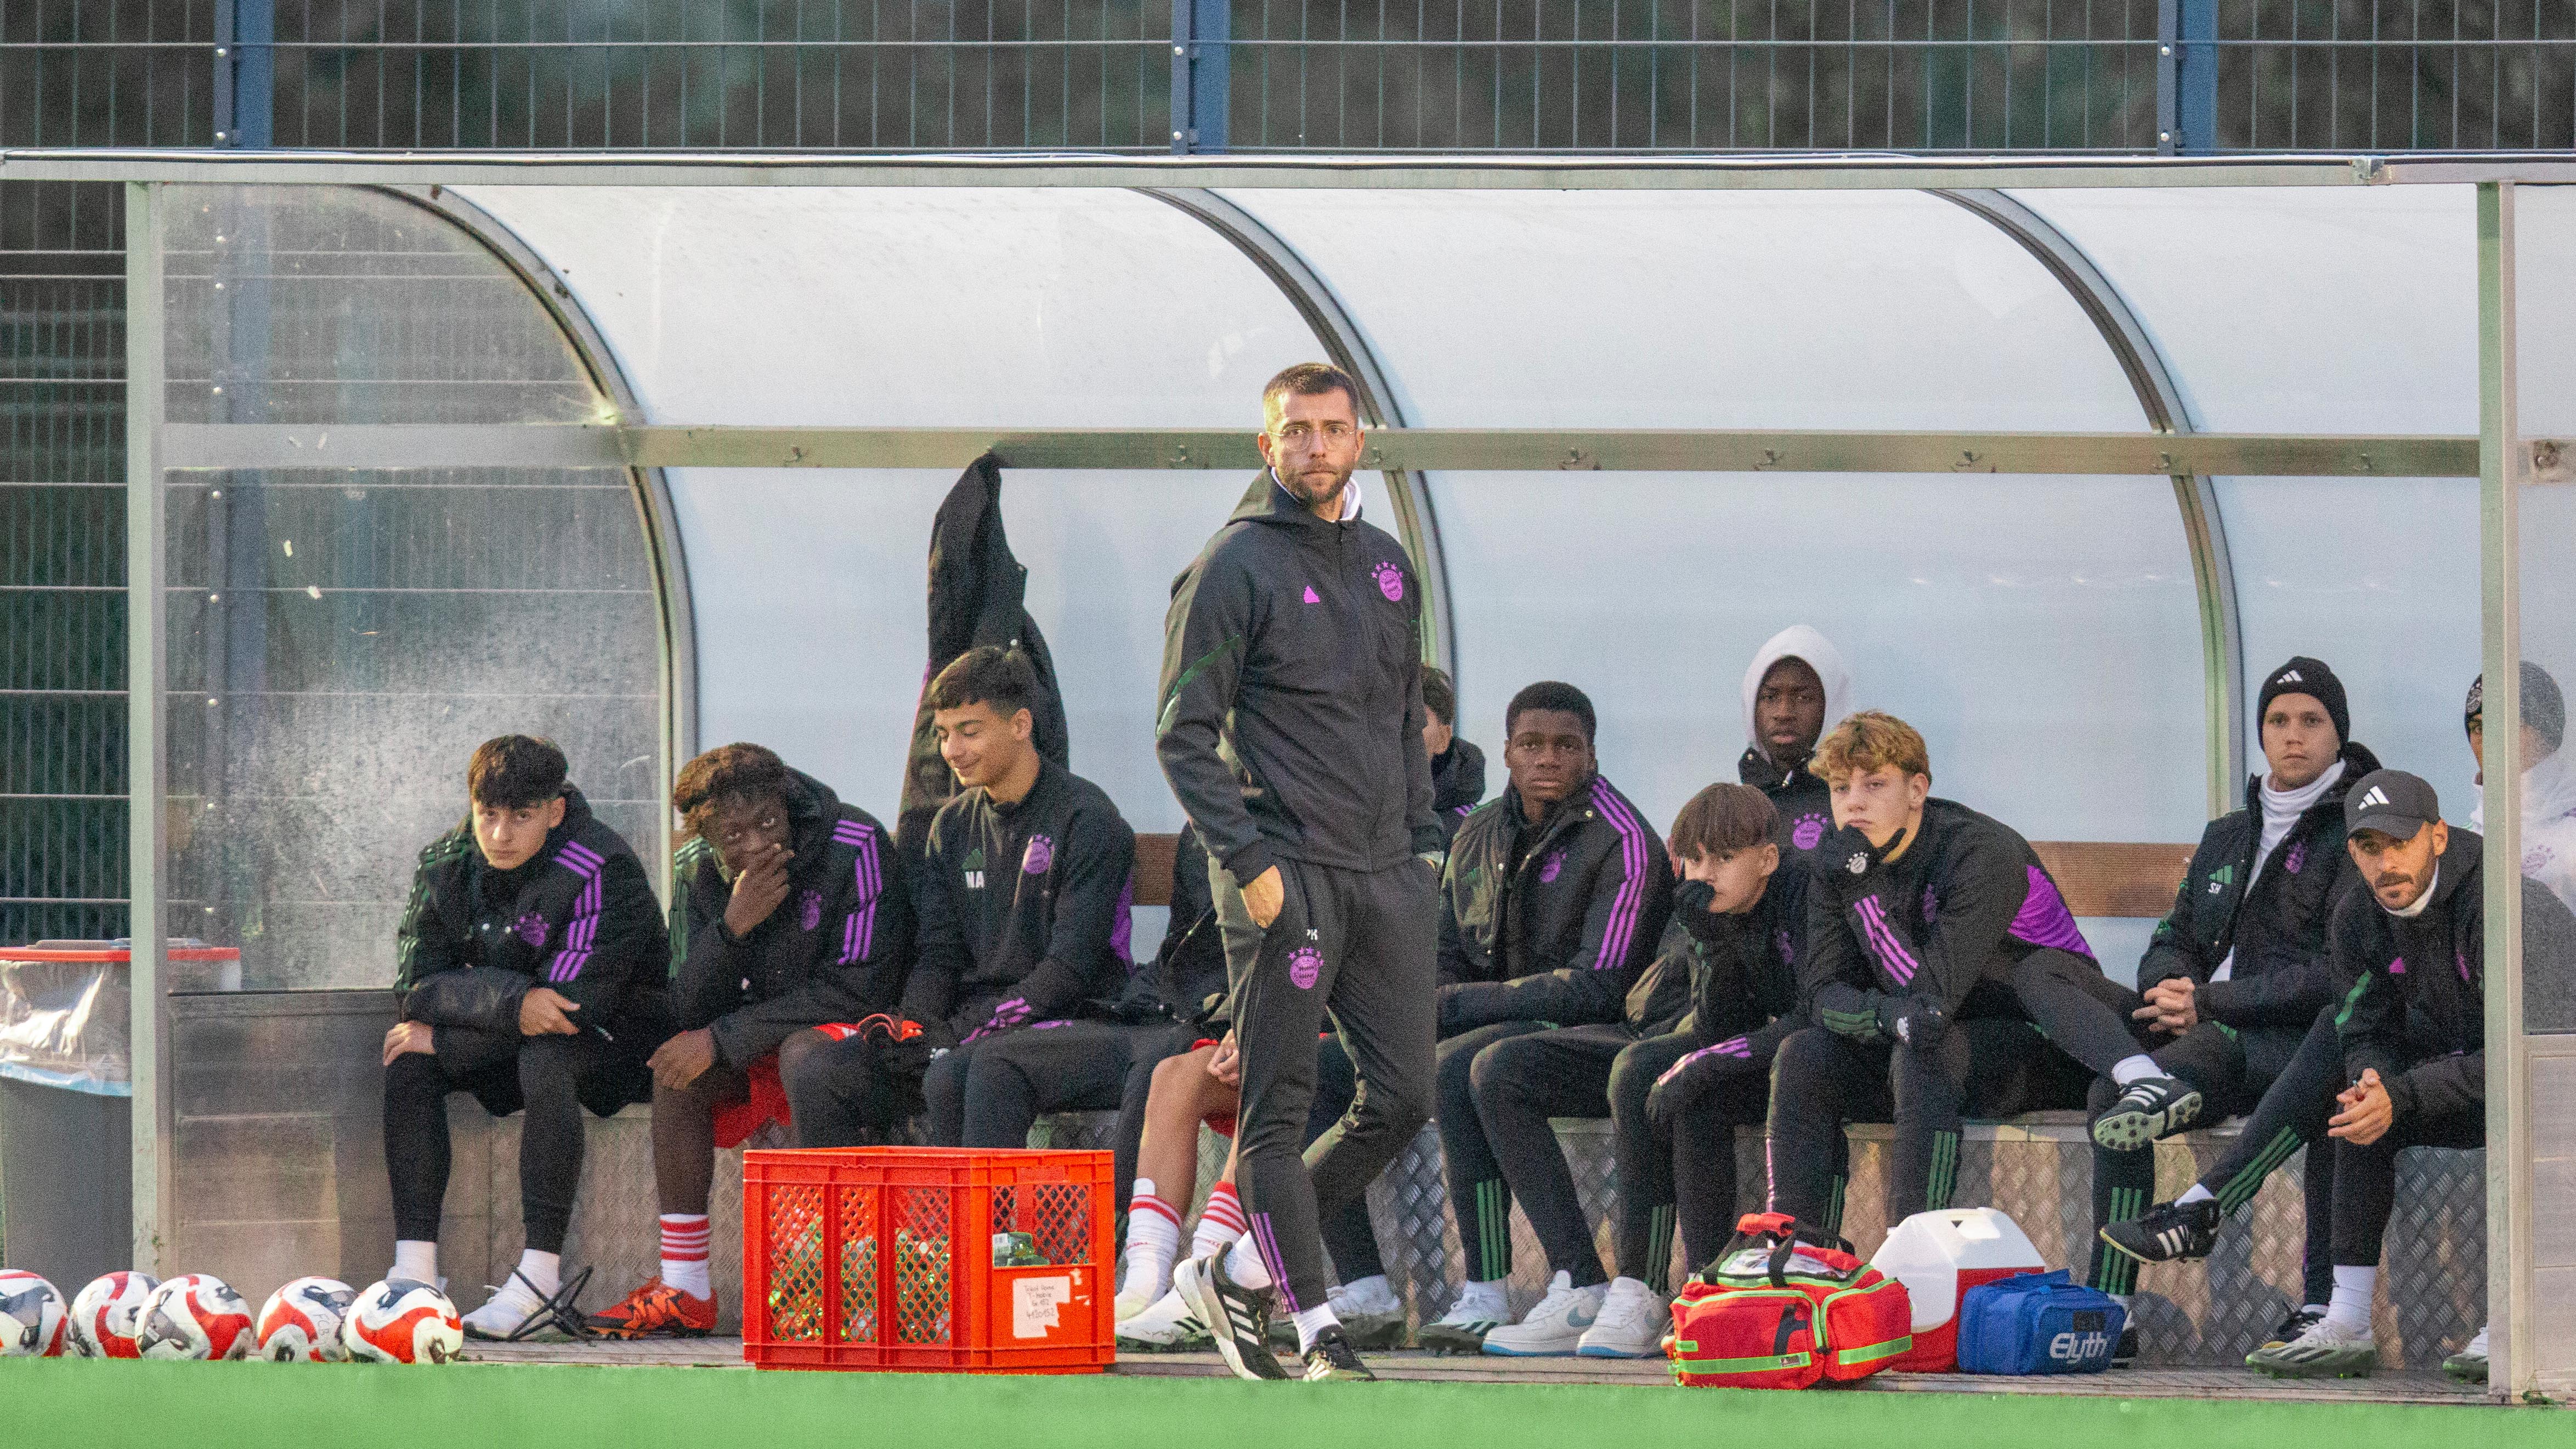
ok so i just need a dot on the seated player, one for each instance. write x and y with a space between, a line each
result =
1457 767
1919 913
1023 895
792 934
530 957
2233 979
1690 1061
2548 780
1551 904
1796 683
2402 1062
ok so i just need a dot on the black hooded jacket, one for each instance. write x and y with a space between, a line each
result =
2276 926
1964 903
1024 908
1457 785
2415 1005
834 950
578 918
1553 920
1291 719
1743 972
1803 802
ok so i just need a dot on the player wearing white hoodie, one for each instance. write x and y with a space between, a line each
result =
2548 780
1795 688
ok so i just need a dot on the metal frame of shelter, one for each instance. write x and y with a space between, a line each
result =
2498 457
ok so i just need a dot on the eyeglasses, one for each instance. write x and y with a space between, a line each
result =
1300 432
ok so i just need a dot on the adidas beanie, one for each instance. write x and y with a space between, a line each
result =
2303 675
2544 708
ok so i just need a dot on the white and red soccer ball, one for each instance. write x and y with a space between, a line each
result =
32 1317
401 1321
196 1316
107 1313
300 1323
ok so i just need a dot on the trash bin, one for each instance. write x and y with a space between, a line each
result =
66 1124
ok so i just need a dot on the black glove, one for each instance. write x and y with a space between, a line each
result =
1915 1021
1691 900
1848 860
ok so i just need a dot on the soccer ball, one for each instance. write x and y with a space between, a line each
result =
106 1314
402 1321
195 1316
300 1323
31 1317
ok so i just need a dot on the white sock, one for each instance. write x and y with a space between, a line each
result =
2192 1194
415 1260
2120 1298
1243 1264
1483 1300
543 1271
1372 1294
2349 1313
685 1240
1153 1236
2135 1069
1313 1321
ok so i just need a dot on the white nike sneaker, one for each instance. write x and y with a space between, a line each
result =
1633 1320
1139 1291
1478 1311
1165 1326
1555 1326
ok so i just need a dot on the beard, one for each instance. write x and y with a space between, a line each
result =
1306 493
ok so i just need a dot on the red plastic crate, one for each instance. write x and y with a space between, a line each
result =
882 1258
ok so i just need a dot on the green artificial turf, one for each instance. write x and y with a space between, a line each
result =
112 1403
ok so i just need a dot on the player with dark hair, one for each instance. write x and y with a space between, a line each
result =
1688 1063
2232 981
1457 766
1023 894
1555 896
1027 883
529 961
792 934
1291 732
1796 684
1919 913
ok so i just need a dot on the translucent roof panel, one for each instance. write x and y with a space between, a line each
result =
2042 632
2340 312
921 308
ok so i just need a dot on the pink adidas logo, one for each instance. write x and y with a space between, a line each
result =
1310 595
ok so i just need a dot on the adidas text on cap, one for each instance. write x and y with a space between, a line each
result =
2392 802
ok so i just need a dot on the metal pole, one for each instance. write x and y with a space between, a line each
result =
1201 74
2168 83
2509 1244
2195 126
147 722
245 90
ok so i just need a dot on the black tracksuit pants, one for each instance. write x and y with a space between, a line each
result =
2233 1071
1985 1066
856 1092
546 1075
2365 1179
1480 1199
1350 1239
990 1094
2083 1011
1606 1070
1365 945
2292 1114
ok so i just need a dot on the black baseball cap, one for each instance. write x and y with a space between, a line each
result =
2392 802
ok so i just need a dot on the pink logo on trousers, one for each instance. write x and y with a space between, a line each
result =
1304 966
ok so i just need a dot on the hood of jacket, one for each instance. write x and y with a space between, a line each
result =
1267 502
1803 642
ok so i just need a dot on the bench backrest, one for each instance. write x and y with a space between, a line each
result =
2099 877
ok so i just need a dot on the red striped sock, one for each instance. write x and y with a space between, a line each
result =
1220 1222
685 1239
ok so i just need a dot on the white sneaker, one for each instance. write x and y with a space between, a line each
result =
1372 1316
1140 1291
1632 1322
1477 1312
507 1312
1165 1326
2323 1352
1555 1326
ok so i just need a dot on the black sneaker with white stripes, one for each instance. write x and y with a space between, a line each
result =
1238 1318
2169 1232
1331 1357
2147 1109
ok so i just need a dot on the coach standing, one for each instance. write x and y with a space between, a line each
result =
1291 731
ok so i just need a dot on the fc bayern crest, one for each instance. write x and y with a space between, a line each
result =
1040 856
1554 867
1304 966
809 910
2297 858
1809 830
1390 581
530 928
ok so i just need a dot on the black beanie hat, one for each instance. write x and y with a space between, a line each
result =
2543 707
2303 675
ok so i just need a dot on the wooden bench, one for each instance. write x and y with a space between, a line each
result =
2097 877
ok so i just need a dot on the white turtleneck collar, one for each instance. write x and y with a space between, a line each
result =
2426 899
